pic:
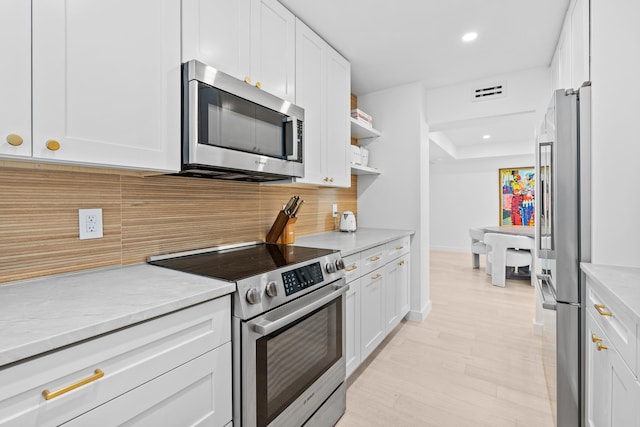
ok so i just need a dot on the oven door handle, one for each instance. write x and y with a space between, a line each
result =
265 327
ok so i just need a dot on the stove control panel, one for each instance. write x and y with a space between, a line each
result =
302 278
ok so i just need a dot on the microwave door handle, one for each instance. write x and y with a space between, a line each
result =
293 122
266 327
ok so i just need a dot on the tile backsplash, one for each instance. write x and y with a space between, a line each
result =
142 216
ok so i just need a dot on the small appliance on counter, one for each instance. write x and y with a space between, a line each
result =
348 221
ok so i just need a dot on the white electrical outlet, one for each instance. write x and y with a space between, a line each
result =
90 223
334 212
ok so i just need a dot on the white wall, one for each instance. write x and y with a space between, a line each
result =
399 197
615 67
465 194
527 91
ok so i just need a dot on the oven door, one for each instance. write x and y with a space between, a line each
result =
293 359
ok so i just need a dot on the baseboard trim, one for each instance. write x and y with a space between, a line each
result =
419 316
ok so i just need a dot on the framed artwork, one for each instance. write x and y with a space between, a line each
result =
517 196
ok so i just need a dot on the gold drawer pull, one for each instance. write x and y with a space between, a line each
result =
377 276
401 263
53 145
399 248
15 140
247 80
601 346
351 268
259 85
595 338
600 308
374 259
48 395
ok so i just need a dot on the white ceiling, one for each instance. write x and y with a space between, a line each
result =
390 43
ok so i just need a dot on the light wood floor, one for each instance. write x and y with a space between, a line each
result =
474 361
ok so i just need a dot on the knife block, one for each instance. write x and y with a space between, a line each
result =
288 235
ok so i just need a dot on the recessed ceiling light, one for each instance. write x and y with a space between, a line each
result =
486 136
469 37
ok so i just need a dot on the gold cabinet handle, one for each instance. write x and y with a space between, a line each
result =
600 308
351 268
259 85
374 259
330 179
97 374
399 248
53 145
377 276
601 346
15 140
325 179
400 262
595 338
247 80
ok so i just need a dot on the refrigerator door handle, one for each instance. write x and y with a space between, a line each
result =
546 293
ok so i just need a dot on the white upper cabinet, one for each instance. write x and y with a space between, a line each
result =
106 82
252 40
570 65
15 78
323 86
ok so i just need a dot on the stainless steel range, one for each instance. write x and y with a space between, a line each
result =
288 330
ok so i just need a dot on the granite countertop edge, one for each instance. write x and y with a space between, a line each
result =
41 315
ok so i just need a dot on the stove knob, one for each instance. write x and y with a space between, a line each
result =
330 268
340 264
253 296
272 289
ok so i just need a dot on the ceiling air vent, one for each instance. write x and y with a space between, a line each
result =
490 91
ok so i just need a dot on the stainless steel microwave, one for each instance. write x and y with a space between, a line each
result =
236 131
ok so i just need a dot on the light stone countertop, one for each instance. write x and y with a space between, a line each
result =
350 243
623 283
47 313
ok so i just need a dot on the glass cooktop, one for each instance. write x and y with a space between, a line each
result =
243 262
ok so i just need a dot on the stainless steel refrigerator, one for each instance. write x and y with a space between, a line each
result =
563 241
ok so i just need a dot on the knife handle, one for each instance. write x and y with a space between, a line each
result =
277 227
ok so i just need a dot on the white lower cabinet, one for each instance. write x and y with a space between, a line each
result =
378 297
171 370
612 387
352 350
372 310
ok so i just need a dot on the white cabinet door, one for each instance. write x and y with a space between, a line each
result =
218 33
613 391
352 333
338 123
15 78
403 285
579 18
323 85
106 82
273 62
372 310
310 95
391 284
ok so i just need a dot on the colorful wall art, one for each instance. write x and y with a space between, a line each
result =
517 196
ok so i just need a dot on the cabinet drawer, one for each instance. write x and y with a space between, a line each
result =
616 322
352 268
128 358
197 393
398 247
373 258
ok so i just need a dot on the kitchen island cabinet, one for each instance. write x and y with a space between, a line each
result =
252 40
612 346
92 348
15 80
106 83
